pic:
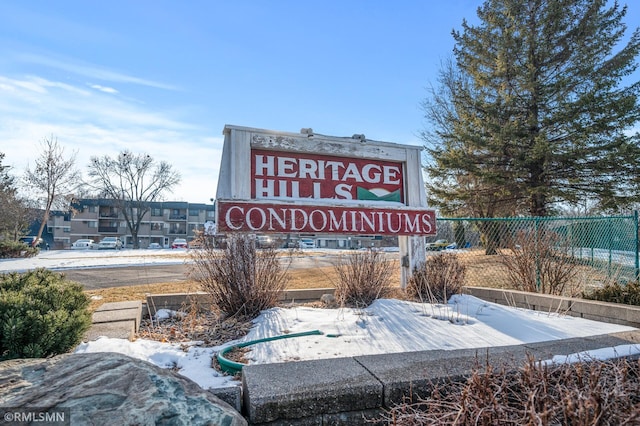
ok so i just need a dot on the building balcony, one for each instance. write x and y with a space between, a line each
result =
108 229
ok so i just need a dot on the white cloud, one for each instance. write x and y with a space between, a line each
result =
95 122
69 65
103 89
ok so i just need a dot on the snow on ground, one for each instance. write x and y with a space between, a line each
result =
59 260
386 326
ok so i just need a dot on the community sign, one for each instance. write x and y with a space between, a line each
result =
275 182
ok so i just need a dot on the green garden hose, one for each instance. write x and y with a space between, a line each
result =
232 367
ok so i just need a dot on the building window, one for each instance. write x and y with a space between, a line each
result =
211 214
194 212
92 224
156 212
93 209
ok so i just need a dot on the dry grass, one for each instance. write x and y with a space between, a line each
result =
298 279
481 271
484 270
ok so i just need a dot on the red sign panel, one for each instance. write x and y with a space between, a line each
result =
292 175
281 218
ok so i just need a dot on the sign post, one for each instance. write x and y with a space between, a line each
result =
276 182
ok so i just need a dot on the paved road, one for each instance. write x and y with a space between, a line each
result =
95 278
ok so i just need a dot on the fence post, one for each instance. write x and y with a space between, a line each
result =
635 223
535 221
610 232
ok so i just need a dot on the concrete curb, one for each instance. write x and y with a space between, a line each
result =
117 319
361 388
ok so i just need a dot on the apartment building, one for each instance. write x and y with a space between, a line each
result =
99 218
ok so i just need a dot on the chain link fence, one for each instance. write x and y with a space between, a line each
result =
555 255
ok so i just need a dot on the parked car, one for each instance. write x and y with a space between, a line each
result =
110 243
154 246
82 244
32 241
265 241
437 245
306 243
179 243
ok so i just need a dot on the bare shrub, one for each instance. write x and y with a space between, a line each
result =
439 277
593 393
362 278
537 262
241 280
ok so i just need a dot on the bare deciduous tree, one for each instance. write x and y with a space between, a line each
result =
133 181
53 178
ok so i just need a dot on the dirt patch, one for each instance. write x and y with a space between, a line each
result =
206 327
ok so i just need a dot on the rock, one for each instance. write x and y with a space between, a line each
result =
328 299
111 388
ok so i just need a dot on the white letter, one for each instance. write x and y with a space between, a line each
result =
262 165
286 166
263 191
390 172
344 191
308 167
411 227
312 223
427 223
227 218
281 220
335 167
352 172
364 218
305 219
337 225
389 222
367 176
249 222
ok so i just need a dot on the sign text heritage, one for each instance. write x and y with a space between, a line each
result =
292 175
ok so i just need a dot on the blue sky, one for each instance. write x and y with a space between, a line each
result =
164 77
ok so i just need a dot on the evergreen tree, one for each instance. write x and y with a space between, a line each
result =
15 215
533 110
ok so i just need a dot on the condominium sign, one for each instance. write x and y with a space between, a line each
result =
275 182
278 218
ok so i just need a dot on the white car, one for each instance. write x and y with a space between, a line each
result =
110 243
82 244
154 246
306 243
